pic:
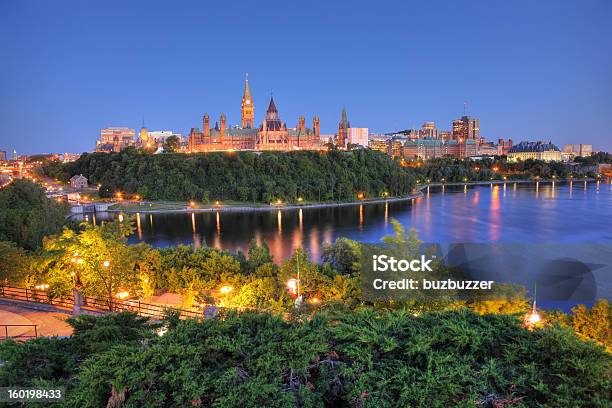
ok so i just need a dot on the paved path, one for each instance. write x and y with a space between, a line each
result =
48 323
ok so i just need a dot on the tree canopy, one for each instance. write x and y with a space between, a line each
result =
243 176
27 215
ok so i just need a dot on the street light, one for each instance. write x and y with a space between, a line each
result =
122 295
226 289
533 317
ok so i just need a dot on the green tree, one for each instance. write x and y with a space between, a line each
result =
258 255
172 144
27 215
16 265
96 260
344 255
595 323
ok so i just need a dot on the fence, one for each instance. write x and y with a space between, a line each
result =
20 335
93 303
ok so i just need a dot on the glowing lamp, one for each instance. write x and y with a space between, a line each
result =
122 295
292 285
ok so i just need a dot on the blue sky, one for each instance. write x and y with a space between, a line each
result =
528 69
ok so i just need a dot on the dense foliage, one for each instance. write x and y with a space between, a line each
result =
27 215
364 359
595 158
243 176
457 170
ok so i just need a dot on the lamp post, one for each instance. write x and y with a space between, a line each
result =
299 299
533 317
77 297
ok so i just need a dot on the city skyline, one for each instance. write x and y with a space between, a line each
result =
69 74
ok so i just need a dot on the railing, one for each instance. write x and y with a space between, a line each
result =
93 304
21 335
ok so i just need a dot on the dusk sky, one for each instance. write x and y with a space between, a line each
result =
529 70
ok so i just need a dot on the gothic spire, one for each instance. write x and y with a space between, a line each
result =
247 91
272 106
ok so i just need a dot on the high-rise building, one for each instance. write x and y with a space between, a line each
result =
2 155
466 128
248 109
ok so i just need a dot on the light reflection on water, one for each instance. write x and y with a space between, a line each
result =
498 213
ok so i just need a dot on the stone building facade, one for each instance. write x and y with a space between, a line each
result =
273 133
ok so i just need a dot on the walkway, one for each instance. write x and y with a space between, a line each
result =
49 323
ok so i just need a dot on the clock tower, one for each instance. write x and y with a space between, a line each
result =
248 114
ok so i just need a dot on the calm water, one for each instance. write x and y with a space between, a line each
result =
580 213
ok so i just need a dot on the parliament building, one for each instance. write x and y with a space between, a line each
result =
272 134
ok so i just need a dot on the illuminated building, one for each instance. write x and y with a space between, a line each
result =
342 136
428 130
78 182
358 136
273 133
534 150
382 145
466 128
115 139
503 146
426 148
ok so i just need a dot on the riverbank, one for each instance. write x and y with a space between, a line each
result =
161 207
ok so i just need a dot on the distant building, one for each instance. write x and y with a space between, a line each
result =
358 136
3 155
445 135
78 182
570 151
488 149
504 146
152 139
115 139
396 146
160 136
343 126
466 128
426 148
460 148
327 138
69 157
273 133
382 145
534 150
428 130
